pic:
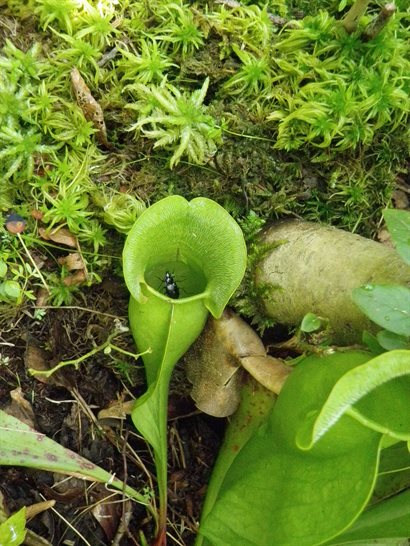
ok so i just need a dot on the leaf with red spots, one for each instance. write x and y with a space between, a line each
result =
21 445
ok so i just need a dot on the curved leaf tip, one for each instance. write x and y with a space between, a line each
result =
353 387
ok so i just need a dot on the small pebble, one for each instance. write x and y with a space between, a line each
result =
15 223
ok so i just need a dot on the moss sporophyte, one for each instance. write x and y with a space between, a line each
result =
181 261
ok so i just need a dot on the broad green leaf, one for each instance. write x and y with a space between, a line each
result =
398 223
387 519
13 530
276 494
310 323
3 269
377 542
391 341
256 403
11 289
23 446
386 305
198 249
386 410
394 459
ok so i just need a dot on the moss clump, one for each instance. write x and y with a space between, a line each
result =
267 114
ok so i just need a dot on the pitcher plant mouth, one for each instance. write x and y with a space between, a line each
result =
176 281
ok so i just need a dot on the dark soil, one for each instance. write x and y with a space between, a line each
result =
66 408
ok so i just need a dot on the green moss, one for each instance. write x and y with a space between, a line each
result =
269 120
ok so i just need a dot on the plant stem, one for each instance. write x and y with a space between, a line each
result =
351 20
30 257
377 25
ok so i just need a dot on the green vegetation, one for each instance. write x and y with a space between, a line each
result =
272 109
265 117
341 414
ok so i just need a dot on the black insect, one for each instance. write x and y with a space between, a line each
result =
170 286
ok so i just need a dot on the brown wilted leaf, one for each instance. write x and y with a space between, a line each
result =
213 371
107 514
61 236
72 261
118 409
20 408
91 109
268 371
42 297
215 361
37 359
34 509
73 280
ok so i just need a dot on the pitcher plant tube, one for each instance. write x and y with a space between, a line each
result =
181 261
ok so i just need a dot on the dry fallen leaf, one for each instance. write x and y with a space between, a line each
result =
213 372
20 408
42 296
215 362
91 109
39 360
34 509
73 280
72 261
60 236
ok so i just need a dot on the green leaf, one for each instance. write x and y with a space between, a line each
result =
277 494
13 530
3 269
168 330
198 250
387 410
310 323
386 305
256 403
371 342
388 519
394 472
398 224
390 341
11 289
23 446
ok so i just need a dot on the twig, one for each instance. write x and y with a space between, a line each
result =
377 25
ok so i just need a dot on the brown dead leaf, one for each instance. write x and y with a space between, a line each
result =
39 360
42 297
214 363
91 109
61 236
108 515
20 408
268 371
77 278
400 199
118 409
34 509
72 261
213 371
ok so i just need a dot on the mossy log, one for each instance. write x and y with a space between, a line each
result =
314 268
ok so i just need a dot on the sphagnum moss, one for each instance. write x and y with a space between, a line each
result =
302 119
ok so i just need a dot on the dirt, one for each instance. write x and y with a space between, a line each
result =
65 408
